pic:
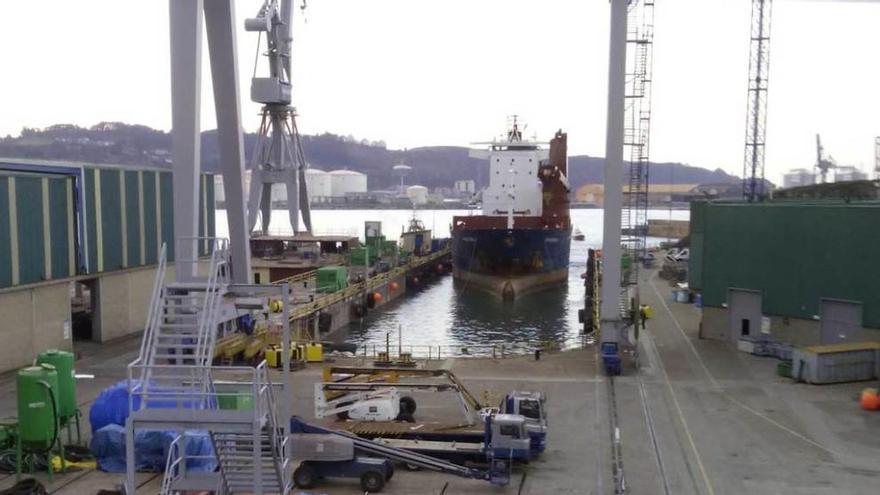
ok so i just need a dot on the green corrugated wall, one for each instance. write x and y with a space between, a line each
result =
36 228
166 213
794 253
29 205
5 237
120 221
151 235
111 202
132 219
62 227
127 214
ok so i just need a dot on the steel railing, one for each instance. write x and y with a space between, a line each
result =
173 470
443 351
367 285
153 314
182 387
279 446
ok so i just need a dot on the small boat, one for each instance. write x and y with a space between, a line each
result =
578 235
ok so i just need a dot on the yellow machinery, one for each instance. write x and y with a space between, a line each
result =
314 353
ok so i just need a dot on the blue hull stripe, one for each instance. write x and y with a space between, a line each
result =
511 253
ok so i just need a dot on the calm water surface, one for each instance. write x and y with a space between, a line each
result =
447 314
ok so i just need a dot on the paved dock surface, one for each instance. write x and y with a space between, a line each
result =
695 417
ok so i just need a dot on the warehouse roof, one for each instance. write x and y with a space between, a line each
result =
36 165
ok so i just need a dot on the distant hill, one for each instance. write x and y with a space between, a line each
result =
434 166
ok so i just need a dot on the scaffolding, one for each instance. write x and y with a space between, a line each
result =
756 121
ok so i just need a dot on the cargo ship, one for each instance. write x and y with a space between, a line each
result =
521 241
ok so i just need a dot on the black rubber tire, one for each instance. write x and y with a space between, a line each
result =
372 481
408 405
406 417
305 476
343 415
411 467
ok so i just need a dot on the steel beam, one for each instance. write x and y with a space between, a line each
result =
220 24
610 327
185 18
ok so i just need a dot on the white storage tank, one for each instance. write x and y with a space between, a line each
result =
343 182
417 194
318 184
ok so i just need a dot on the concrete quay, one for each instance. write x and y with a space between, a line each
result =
723 422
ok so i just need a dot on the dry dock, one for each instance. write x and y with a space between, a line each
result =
699 418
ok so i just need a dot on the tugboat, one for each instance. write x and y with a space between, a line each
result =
578 235
521 241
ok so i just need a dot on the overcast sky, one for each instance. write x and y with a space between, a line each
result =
430 72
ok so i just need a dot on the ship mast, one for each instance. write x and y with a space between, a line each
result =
513 136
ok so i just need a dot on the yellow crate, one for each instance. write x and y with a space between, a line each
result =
314 353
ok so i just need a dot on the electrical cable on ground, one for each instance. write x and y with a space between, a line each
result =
27 486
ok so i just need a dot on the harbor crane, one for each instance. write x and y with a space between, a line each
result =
278 155
628 131
824 162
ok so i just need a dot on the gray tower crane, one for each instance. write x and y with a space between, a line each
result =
877 157
278 156
824 162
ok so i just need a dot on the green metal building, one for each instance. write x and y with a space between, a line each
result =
60 220
801 272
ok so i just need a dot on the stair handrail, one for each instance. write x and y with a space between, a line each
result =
210 304
221 248
278 445
153 314
172 466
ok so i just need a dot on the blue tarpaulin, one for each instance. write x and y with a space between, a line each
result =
150 449
107 417
111 405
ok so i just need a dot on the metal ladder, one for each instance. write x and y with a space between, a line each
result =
637 126
171 385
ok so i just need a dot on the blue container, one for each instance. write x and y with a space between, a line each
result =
698 300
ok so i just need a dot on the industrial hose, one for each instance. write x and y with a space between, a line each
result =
54 417
27 486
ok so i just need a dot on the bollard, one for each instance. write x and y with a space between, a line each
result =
537 354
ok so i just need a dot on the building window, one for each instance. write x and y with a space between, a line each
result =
257 278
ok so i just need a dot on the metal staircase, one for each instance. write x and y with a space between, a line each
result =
172 387
637 126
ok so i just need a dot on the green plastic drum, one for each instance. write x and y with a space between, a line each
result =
63 363
36 416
